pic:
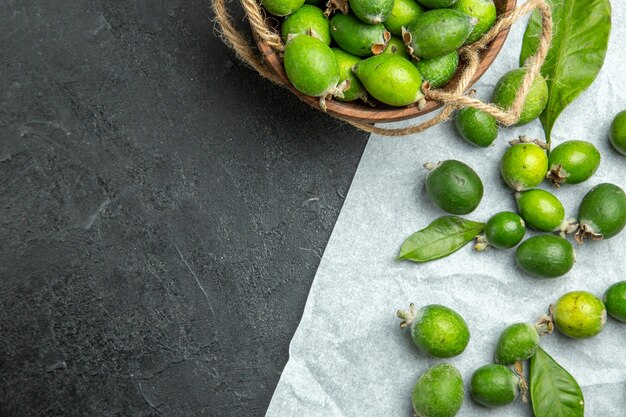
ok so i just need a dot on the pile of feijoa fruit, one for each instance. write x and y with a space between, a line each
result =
376 50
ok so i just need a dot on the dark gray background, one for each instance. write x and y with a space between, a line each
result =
163 212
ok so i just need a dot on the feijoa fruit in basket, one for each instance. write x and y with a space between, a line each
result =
542 211
437 33
545 256
358 38
453 186
346 62
282 7
524 165
476 126
615 300
437 4
312 68
503 230
536 100
438 392
371 11
403 13
573 162
495 385
396 47
438 71
517 343
390 79
579 314
483 10
308 20
617 132
436 330
602 213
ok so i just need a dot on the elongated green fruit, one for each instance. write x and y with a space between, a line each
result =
346 62
438 392
403 13
371 11
358 38
390 79
437 33
602 213
308 20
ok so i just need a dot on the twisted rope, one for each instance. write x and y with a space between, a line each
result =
452 100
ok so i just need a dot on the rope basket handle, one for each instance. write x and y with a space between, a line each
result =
456 99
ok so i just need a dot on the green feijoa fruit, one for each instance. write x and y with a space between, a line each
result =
579 314
536 100
438 71
437 33
282 7
617 132
517 343
503 230
358 38
346 62
476 126
454 186
573 162
483 10
403 13
495 385
615 300
436 330
602 213
371 12
542 211
308 20
311 66
396 47
545 256
524 165
390 79
438 392
437 4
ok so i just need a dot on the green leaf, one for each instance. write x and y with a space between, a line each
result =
442 237
553 391
580 38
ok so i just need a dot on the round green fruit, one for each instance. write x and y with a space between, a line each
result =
358 38
602 213
579 314
615 300
437 33
542 211
282 7
483 10
476 126
517 343
438 71
438 392
573 162
371 12
403 13
617 132
524 165
503 230
311 66
308 20
346 62
436 330
397 47
506 90
454 187
545 256
495 385
390 79
437 4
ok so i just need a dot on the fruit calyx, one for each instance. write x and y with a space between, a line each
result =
545 324
481 244
567 227
407 316
333 6
585 231
557 175
378 48
526 139
336 91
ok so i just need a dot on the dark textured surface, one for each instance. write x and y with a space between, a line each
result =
163 212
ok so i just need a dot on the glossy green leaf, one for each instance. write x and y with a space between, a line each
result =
553 391
441 238
580 39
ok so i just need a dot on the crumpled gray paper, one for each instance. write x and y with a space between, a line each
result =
349 356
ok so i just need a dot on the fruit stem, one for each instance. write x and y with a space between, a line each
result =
523 385
407 316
